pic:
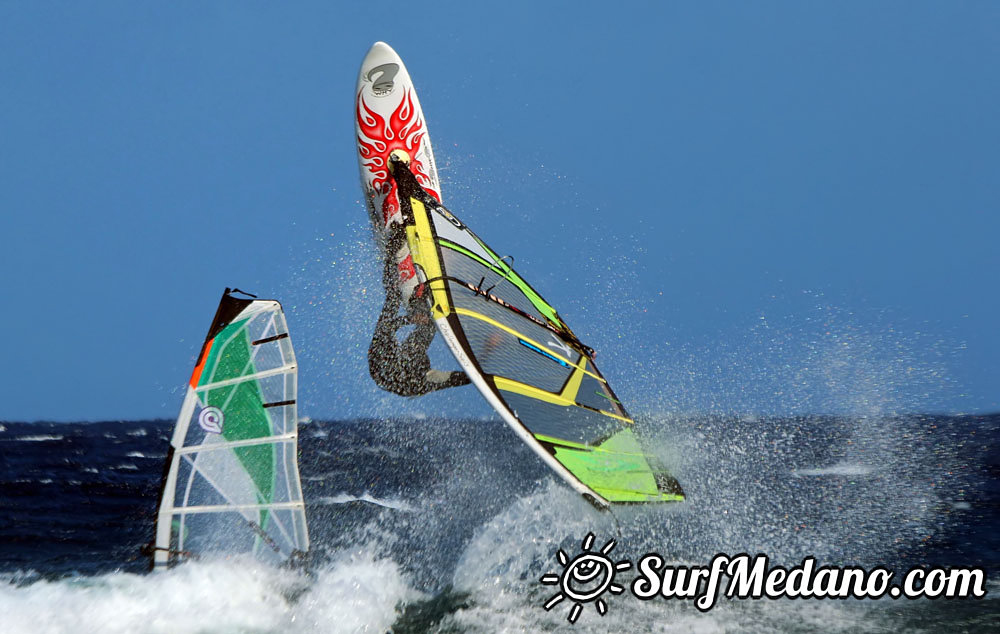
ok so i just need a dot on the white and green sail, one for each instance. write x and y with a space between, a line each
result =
232 481
525 360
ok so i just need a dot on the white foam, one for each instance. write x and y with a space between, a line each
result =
357 592
199 597
344 498
527 532
19 577
39 438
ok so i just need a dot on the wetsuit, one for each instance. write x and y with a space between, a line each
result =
404 368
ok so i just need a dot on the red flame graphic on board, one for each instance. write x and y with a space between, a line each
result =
403 131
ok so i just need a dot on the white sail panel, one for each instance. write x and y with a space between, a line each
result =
232 484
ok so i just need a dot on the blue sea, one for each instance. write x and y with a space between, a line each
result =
448 525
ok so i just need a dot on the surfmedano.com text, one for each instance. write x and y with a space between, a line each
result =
752 578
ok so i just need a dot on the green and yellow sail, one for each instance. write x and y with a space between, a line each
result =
525 360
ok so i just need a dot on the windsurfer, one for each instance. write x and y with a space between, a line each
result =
404 368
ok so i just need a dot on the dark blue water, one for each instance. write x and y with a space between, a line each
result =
447 525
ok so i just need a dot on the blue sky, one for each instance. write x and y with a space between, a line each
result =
773 207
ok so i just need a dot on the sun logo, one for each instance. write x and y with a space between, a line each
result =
585 578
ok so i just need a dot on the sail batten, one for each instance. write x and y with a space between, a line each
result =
228 508
237 443
246 377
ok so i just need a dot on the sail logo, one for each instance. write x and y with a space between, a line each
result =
585 578
211 419
443 211
558 345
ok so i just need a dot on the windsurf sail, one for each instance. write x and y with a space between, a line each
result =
231 484
524 358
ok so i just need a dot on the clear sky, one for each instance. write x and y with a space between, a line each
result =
766 207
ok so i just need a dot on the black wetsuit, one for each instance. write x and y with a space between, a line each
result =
404 368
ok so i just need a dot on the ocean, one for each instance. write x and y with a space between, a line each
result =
449 525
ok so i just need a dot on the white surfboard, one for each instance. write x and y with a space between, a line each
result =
388 118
